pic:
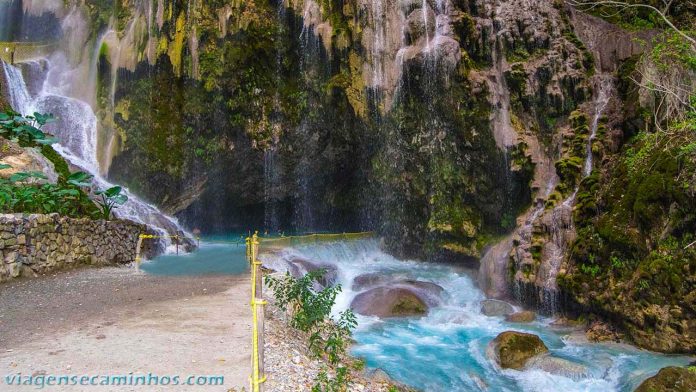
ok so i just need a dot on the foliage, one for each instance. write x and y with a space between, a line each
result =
109 199
311 312
338 383
310 308
332 338
670 48
59 164
25 130
22 193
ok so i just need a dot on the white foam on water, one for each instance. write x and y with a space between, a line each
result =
447 348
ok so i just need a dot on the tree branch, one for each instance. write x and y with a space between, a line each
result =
621 5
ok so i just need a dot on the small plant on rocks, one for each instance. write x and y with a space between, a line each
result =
311 312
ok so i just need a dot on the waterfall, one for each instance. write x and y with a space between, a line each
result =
600 104
503 131
558 223
17 89
271 221
604 86
76 130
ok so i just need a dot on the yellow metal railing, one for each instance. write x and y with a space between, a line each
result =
258 376
16 52
284 242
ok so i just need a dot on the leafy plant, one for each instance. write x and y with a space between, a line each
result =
309 307
332 338
616 262
21 193
109 200
25 130
592 270
311 312
338 383
80 179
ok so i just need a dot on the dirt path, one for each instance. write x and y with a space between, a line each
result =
113 321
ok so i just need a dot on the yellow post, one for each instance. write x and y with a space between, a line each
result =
258 375
137 252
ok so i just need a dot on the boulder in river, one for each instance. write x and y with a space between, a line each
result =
389 302
299 267
525 316
512 349
370 279
670 379
494 307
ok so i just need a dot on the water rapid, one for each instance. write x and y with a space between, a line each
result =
446 350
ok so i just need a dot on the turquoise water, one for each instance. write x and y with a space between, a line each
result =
446 350
215 256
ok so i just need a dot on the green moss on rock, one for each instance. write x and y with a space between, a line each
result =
513 349
670 379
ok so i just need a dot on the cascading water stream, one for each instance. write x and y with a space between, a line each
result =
76 129
604 86
446 350
503 131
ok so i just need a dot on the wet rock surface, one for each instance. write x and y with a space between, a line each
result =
558 366
389 302
299 267
494 307
670 379
512 349
602 332
525 316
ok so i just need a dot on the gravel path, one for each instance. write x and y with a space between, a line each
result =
116 320
31 308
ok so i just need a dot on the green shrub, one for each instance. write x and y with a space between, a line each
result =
20 193
311 312
110 199
25 130
59 164
339 383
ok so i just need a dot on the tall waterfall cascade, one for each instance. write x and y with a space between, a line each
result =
64 83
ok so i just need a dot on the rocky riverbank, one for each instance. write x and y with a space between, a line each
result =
290 366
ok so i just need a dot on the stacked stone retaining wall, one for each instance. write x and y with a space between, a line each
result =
37 244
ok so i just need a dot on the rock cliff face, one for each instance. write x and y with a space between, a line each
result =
458 129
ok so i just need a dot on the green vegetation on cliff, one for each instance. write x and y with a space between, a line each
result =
634 259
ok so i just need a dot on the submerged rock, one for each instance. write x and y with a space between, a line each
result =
558 366
670 379
379 375
494 307
525 316
512 349
389 302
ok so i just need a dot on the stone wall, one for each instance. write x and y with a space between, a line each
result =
36 244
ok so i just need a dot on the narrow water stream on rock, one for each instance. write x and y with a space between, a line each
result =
446 350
